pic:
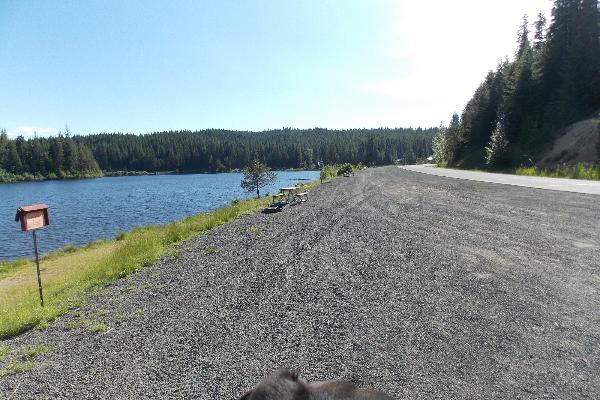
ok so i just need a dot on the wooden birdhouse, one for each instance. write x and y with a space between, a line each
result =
33 217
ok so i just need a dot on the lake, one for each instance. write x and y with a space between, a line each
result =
89 209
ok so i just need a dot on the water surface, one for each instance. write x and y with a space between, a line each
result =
85 210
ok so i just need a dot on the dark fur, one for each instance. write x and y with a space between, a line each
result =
285 385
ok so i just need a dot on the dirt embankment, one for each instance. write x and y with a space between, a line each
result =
420 286
577 144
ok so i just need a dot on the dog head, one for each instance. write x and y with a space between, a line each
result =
280 385
285 385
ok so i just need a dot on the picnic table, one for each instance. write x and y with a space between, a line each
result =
288 192
287 196
301 197
278 197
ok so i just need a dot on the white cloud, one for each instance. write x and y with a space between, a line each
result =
30 131
445 49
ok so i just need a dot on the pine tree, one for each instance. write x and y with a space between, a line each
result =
453 139
519 92
586 57
70 155
56 155
3 148
13 160
523 38
39 157
539 35
440 148
496 152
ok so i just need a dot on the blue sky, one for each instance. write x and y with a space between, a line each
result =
142 66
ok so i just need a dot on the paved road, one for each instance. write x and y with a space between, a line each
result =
420 286
565 185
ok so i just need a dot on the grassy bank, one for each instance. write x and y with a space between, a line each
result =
579 171
69 273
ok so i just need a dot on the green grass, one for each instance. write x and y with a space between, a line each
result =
68 274
97 328
16 367
35 350
579 171
211 250
74 325
4 350
8 268
42 325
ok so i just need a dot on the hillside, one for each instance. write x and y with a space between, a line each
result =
575 145
551 85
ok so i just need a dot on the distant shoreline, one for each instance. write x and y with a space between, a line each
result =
14 178
17 178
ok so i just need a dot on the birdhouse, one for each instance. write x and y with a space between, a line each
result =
33 217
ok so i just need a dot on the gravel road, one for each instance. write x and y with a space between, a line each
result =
421 286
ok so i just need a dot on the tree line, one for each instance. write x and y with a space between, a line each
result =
42 158
553 81
224 150
211 150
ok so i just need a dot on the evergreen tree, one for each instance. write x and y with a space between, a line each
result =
3 147
523 39
256 176
497 150
39 158
71 161
540 32
56 155
453 139
520 88
440 147
13 160
587 59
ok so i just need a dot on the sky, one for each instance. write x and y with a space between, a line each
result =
144 66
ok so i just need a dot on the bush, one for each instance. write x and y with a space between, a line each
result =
345 169
579 171
328 172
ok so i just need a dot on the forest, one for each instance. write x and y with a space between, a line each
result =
553 81
58 157
222 150
211 150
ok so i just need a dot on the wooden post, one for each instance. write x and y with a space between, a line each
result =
37 263
33 218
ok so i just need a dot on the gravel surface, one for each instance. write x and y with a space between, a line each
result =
421 286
